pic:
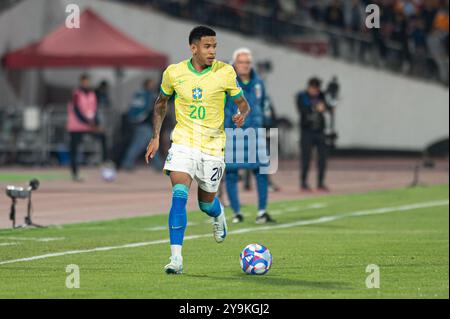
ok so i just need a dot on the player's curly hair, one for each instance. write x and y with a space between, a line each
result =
201 31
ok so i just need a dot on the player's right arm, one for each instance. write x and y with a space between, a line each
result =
159 113
243 111
236 94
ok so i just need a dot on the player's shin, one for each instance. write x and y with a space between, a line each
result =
178 218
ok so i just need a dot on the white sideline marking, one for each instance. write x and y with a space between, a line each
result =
290 209
298 209
7 244
42 239
157 228
320 220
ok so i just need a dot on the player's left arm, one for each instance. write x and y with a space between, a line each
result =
243 111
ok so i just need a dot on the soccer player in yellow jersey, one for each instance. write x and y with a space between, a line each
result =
200 86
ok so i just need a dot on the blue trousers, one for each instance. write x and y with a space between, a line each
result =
262 184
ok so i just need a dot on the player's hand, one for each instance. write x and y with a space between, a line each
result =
238 119
152 148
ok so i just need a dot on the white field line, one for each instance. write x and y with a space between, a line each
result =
297 209
157 228
41 239
273 212
7 244
324 219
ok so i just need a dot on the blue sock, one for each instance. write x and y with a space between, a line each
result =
211 209
177 215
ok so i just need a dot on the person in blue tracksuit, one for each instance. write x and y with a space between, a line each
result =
254 92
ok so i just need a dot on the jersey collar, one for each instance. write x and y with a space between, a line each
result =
191 67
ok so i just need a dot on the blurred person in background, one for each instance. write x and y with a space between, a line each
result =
399 35
428 13
254 92
102 94
82 119
438 40
354 14
334 17
139 117
103 104
270 120
311 106
419 47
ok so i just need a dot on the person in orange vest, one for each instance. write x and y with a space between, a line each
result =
82 119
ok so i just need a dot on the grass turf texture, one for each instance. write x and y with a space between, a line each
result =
326 260
19 177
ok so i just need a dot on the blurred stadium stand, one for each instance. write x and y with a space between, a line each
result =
5 4
413 38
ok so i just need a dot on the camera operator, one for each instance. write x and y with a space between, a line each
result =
312 106
332 99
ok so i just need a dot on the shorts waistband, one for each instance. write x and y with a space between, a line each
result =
196 152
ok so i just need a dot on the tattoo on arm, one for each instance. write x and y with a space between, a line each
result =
159 113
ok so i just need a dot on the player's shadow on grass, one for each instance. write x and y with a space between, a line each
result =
276 281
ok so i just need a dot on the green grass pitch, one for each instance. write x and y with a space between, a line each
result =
19 177
321 248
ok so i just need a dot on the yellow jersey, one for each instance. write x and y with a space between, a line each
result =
199 103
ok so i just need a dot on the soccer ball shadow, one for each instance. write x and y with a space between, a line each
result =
274 280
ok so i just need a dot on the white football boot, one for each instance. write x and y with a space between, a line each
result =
175 266
220 226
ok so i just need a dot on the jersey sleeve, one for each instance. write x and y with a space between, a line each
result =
231 84
166 84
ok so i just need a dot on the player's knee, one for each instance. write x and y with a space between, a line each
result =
212 209
205 207
180 191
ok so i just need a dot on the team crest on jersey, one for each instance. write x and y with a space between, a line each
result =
197 93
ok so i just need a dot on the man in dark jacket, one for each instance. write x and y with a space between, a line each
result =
311 106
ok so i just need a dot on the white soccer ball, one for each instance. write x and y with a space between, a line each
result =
109 174
255 259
